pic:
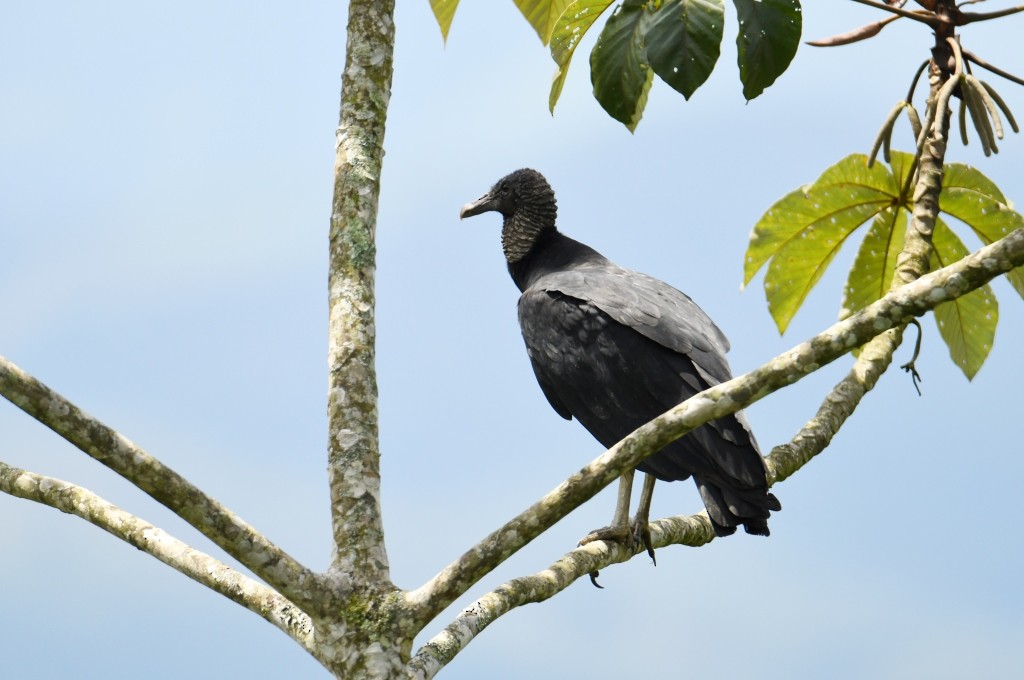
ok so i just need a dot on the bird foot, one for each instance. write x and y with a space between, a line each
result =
634 536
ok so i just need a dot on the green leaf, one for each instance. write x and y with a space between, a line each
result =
768 37
570 28
975 200
444 12
871 275
790 214
968 323
542 15
683 39
803 231
618 66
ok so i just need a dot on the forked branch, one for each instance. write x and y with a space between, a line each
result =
197 565
117 452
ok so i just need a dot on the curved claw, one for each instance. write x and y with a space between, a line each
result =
635 537
642 538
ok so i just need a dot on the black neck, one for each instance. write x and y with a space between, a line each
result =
552 251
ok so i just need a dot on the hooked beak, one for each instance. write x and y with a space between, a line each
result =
485 203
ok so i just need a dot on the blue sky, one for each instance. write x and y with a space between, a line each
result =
164 199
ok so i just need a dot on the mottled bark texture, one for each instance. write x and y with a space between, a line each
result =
361 632
353 460
352 619
913 262
193 563
163 484
693 530
838 405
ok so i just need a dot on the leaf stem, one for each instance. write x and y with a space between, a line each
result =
971 17
929 19
973 58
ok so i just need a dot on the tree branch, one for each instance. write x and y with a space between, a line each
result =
975 59
353 454
197 565
971 17
924 18
837 407
693 530
163 484
890 312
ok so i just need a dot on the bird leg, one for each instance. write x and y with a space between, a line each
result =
618 530
641 520
633 535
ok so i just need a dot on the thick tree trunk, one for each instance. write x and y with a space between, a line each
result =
355 634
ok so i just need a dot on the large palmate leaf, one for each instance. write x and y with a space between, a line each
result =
444 12
803 231
618 65
679 40
683 41
769 34
542 15
972 198
570 28
870 276
968 323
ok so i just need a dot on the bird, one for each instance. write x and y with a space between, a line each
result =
615 348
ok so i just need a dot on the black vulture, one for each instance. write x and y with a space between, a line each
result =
615 348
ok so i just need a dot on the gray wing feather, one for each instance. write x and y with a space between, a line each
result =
651 307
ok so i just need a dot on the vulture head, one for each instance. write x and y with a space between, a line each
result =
527 204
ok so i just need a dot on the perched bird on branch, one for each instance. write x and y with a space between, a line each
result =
614 348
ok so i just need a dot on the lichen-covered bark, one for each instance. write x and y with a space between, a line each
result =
163 484
360 631
367 632
693 530
838 405
353 453
913 261
195 564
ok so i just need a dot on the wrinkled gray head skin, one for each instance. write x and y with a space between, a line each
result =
527 204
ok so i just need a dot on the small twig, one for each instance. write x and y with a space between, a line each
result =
973 58
909 367
109 447
196 565
971 17
929 19
856 35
